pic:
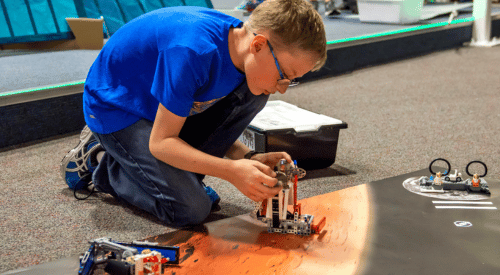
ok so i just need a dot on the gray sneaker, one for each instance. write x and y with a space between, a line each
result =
76 166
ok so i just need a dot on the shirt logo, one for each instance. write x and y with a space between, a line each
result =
200 107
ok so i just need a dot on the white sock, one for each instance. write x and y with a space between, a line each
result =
99 156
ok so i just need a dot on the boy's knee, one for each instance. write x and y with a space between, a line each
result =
190 213
194 216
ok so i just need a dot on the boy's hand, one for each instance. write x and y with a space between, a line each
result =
254 179
272 158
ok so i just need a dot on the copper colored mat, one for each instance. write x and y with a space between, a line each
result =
241 245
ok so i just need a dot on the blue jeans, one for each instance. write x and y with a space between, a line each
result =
131 173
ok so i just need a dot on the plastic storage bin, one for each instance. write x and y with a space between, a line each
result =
390 11
309 138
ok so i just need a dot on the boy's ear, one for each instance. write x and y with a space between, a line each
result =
258 43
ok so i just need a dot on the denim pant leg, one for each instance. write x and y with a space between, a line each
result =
130 172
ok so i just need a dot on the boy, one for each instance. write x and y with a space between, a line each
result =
170 93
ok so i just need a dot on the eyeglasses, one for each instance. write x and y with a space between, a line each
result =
283 81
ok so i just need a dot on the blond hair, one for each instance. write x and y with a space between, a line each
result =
292 23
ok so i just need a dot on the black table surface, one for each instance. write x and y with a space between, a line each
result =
407 235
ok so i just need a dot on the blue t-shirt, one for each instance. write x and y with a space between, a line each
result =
178 57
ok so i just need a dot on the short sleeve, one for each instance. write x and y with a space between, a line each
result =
180 73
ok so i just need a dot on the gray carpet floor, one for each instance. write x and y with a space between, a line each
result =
401 116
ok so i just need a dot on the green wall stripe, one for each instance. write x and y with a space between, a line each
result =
43 88
417 28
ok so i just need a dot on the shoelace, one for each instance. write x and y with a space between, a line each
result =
81 164
82 168
92 191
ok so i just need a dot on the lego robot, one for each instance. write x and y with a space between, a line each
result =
274 211
439 182
137 258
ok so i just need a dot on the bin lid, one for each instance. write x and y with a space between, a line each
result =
279 115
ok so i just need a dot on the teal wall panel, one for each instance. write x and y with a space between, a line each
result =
19 18
66 8
35 20
151 5
116 13
113 16
41 20
4 27
131 9
42 17
173 3
92 9
200 3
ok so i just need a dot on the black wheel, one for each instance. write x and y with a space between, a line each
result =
447 178
440 159
459 179
480 162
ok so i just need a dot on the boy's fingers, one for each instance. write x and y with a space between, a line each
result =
288 157
281 155
263 192
268 192
265 169
269 181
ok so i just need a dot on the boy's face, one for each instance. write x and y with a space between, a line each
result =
262 73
